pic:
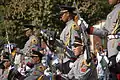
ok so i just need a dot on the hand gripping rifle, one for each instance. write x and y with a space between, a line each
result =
82 26
57 42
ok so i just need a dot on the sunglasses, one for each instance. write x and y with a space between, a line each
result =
76 45
33 56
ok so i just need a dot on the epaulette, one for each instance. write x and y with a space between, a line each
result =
41 68
75 27
85 63
34 41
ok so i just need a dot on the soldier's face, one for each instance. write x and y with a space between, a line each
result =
112 2
78 49
65 17
35 59
28 32
7 64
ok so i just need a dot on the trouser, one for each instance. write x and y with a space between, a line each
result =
112 68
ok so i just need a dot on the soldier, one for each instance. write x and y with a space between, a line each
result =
32 39
111 30
38 69
37 72
69 32
68 36
80 69
5 66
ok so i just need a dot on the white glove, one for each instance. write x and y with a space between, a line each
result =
71 64
47 72
82 21
118 57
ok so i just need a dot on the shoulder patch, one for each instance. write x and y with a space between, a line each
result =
34 41
83 69
41 68
75 27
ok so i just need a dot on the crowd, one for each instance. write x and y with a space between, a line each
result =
35 62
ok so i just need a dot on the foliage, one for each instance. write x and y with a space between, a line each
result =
44 14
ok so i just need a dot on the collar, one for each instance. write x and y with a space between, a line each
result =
70 21
31 36
117 5
73 59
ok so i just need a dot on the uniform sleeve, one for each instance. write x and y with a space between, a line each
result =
109 24
32 77
90 73
29 44
71 74
86 74
83 73
35 75
101 32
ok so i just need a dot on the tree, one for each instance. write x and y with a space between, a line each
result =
44 14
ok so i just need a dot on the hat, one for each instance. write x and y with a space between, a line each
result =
6 56
65 8
78 41
36 54
28 26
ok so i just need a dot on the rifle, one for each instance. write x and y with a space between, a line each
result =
7 38
83 26
57 42
9 46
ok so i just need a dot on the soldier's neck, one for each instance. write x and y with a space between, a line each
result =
70 18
